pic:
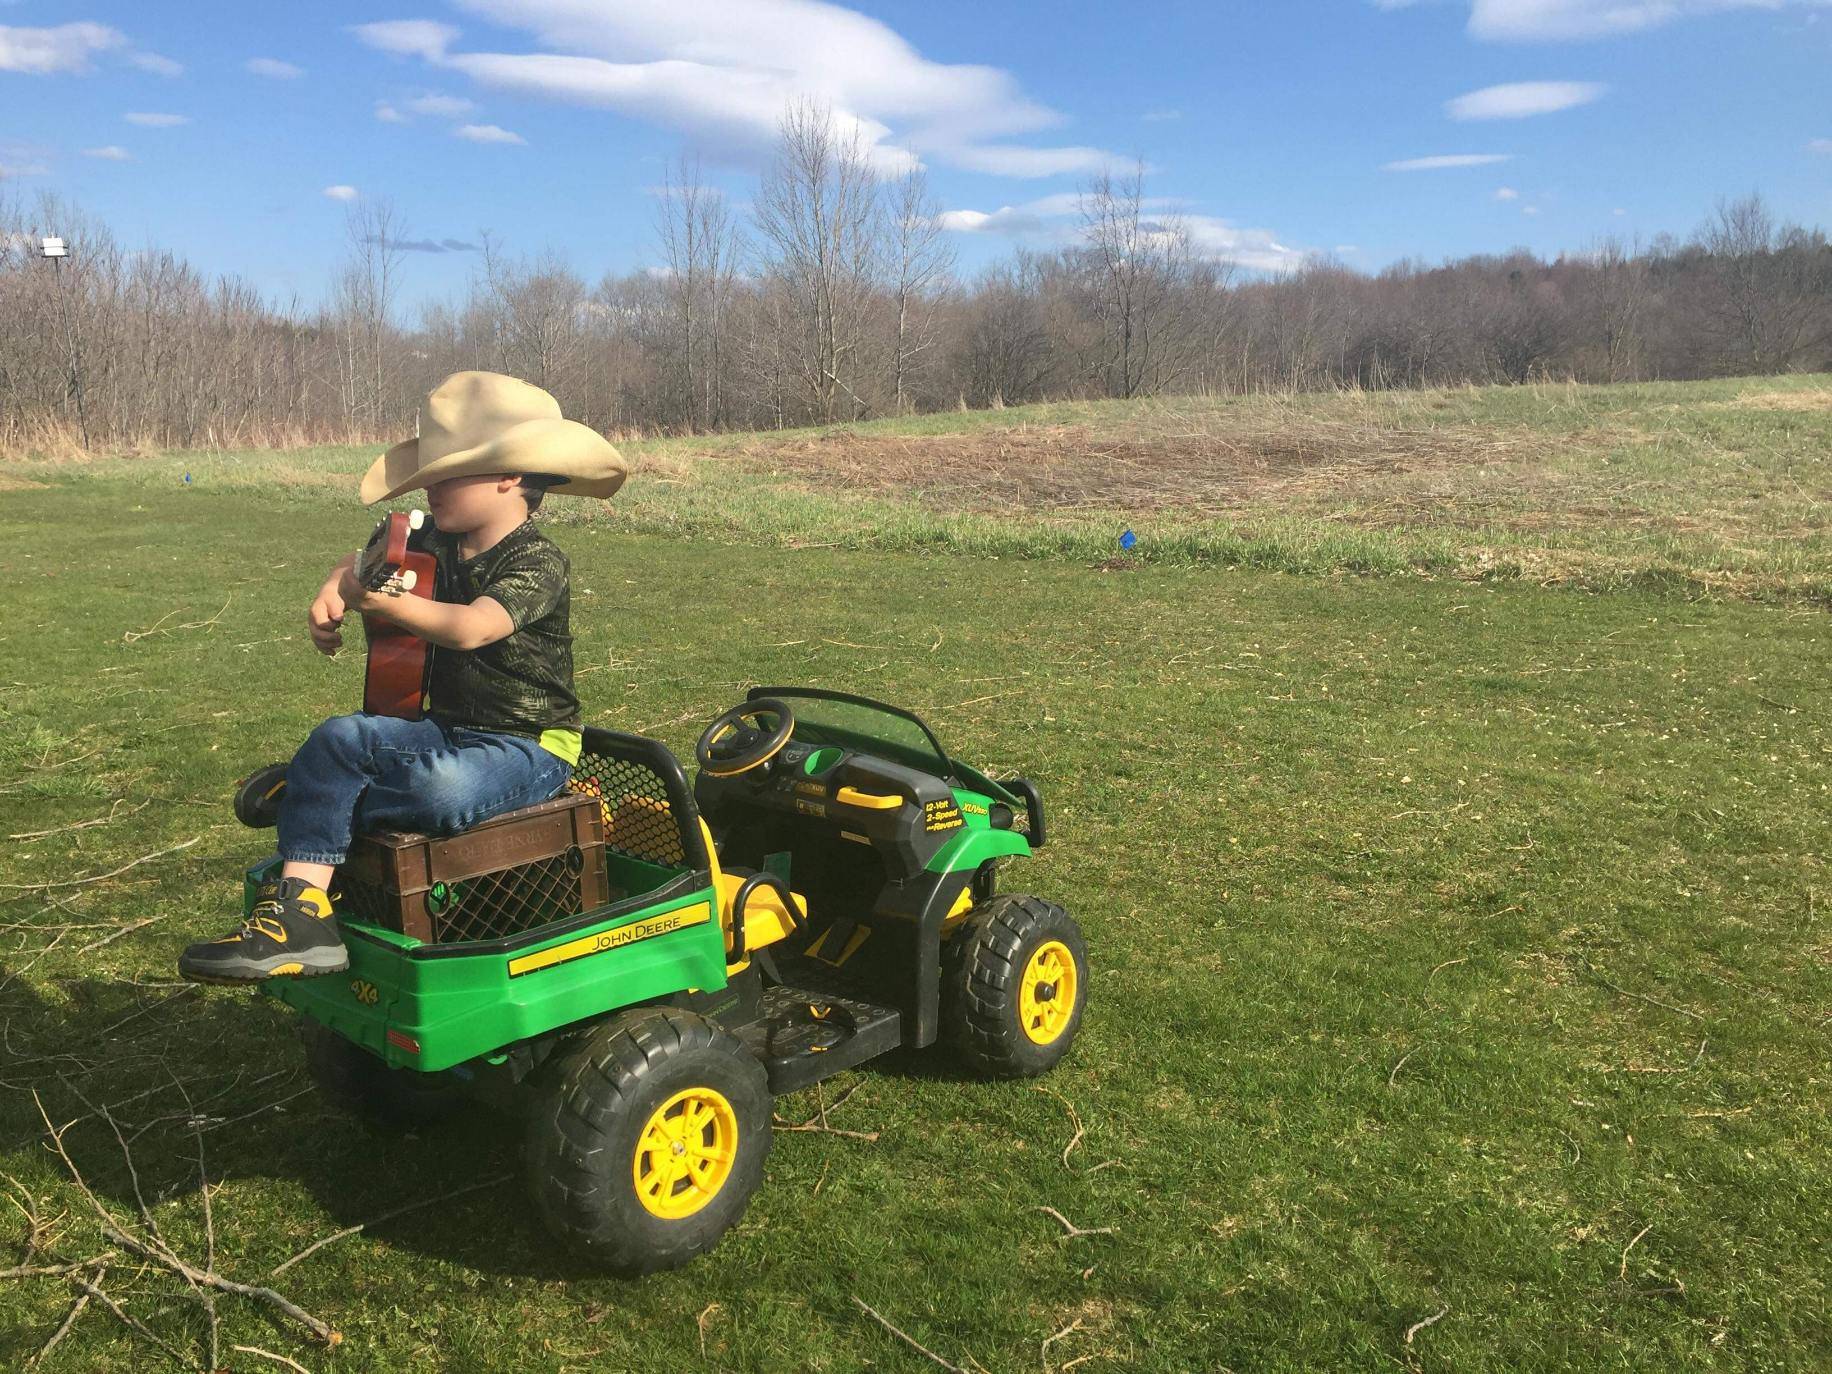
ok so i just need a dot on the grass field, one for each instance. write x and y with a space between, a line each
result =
1460 942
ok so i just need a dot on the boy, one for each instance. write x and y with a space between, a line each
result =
501 728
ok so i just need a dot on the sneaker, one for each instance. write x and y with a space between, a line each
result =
257 796
290 932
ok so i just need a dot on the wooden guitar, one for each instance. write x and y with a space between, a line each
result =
400 662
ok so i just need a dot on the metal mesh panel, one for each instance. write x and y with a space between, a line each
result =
638 820
507 901
486 907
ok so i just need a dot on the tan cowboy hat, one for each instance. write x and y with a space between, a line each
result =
478 422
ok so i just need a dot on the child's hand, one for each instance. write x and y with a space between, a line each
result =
324 620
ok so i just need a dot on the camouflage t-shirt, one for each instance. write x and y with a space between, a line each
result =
523 683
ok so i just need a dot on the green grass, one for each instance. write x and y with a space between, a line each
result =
1719 486
1448 937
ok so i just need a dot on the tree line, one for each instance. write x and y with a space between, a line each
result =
838 298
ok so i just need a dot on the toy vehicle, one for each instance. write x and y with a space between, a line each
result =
823 894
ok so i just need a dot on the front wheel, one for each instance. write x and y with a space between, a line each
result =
1014 982
647 1143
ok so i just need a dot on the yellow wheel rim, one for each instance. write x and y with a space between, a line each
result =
685 1153
1046 993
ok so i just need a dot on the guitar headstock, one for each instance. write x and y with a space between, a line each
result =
381 568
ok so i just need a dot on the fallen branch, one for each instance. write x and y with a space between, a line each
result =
76 1310
904 1336
1073 1231
1402 1063
348 1231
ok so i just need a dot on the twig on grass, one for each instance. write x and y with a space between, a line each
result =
269 1355
1446 964
1074 1116
131 1324
818 1122
1071 1230
318 1245
904 1336
1402 1063
98 877
1419 1326
1622 1271
1642 997
82 825
1043 1351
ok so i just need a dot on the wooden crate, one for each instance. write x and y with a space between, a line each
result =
504 875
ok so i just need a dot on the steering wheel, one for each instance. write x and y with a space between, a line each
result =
745 737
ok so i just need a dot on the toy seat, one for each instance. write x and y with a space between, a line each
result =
766 919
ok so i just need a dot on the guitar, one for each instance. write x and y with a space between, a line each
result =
400 662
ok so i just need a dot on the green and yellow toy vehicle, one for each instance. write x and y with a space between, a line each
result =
822 894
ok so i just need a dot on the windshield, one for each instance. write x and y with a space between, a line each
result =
852 722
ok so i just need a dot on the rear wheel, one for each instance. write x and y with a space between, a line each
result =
648 1140
1014 982
355 1081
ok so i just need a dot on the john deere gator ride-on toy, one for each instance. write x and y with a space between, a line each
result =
637 967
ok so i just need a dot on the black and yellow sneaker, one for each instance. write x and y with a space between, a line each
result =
289 933
257 796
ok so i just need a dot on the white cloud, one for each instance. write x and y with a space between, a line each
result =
157 65
388 114
724 74
1439 163
112 153
1820 145
1507 193
1008 160
156 121
1056 220
65 48
1553 20
1522 99
1529 209
487 133
1618 211
444 106
340 192
408 37
273 67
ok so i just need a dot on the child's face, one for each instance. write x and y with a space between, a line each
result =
462 504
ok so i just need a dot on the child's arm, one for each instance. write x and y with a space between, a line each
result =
445 623
325 617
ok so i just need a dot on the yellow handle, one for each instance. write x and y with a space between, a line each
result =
852 796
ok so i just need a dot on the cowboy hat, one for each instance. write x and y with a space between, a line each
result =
480 422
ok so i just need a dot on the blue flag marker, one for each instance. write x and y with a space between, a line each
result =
187 479
1127 540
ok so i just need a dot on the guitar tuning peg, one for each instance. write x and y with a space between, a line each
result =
408 579
415 519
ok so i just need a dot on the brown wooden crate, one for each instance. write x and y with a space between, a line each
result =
503 875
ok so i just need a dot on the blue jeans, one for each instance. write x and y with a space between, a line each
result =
361 772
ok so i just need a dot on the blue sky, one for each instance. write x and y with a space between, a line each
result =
1275 129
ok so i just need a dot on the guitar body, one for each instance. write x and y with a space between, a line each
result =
400 662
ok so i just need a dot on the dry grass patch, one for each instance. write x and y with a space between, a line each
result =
1211 462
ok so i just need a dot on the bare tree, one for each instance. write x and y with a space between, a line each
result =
364 299
817 213
1138 265
921 261
702 247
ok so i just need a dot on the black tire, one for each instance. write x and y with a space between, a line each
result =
601 1097
982 985
355 1081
